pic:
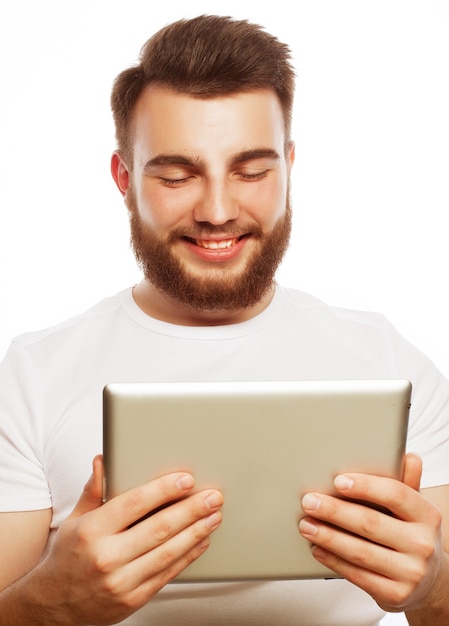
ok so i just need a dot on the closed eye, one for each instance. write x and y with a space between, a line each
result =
254 176
174 182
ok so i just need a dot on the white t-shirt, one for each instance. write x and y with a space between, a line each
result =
51 405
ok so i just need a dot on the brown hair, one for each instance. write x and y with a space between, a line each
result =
205 56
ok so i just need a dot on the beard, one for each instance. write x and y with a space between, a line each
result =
219 289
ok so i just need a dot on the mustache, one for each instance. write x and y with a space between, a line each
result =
205 231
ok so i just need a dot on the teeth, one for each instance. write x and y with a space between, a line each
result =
215 245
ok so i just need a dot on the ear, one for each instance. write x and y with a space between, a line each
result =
120 172
291 154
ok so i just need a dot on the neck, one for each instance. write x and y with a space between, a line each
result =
167 309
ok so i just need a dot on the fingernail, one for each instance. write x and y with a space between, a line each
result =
343 483
311 502
213 521
213 500
185 482
308 528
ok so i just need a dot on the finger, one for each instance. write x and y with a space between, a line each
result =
142 583
412 471
92 496
401 581
390 592
187 558
168 559
386 493
357 519
351 548
419 528
165 524
131 506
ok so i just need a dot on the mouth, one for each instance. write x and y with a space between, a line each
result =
216 244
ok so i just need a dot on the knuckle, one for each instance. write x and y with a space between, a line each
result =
85 533
364 554
122 602
417 573
103 559
398 594
197 551
134 502
424 545
161 528
370 523
427 549
333 507
112 587
166 558
104 563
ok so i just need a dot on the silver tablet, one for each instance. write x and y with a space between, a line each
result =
264 444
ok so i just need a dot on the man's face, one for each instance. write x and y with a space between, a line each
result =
208 196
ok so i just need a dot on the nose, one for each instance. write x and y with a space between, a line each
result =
217 204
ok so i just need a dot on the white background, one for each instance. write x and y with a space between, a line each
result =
370 183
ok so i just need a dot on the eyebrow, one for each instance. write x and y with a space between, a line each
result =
240 157
251 155
170 159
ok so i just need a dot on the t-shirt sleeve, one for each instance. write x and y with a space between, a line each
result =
428 434
23 484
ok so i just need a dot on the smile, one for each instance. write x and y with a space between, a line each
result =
211 244
215 244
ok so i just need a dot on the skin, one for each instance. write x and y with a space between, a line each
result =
98 570
400 560
210 168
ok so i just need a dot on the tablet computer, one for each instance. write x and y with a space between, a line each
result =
264 444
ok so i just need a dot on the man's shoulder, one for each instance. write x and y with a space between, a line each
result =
308 304
94 316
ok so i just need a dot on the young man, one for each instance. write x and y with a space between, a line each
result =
203 163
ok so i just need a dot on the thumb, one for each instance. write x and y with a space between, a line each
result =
412 471
92 496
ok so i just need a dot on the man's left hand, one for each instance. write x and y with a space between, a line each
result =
394 557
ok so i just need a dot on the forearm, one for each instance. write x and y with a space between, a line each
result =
434 610
31 601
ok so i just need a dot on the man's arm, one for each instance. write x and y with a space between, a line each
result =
98 568
23 536
435 611
399 559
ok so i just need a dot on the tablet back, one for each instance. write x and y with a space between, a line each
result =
264 444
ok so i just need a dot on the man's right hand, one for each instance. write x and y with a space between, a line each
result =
99 570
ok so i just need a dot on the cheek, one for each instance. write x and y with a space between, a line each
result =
267 202
161 208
